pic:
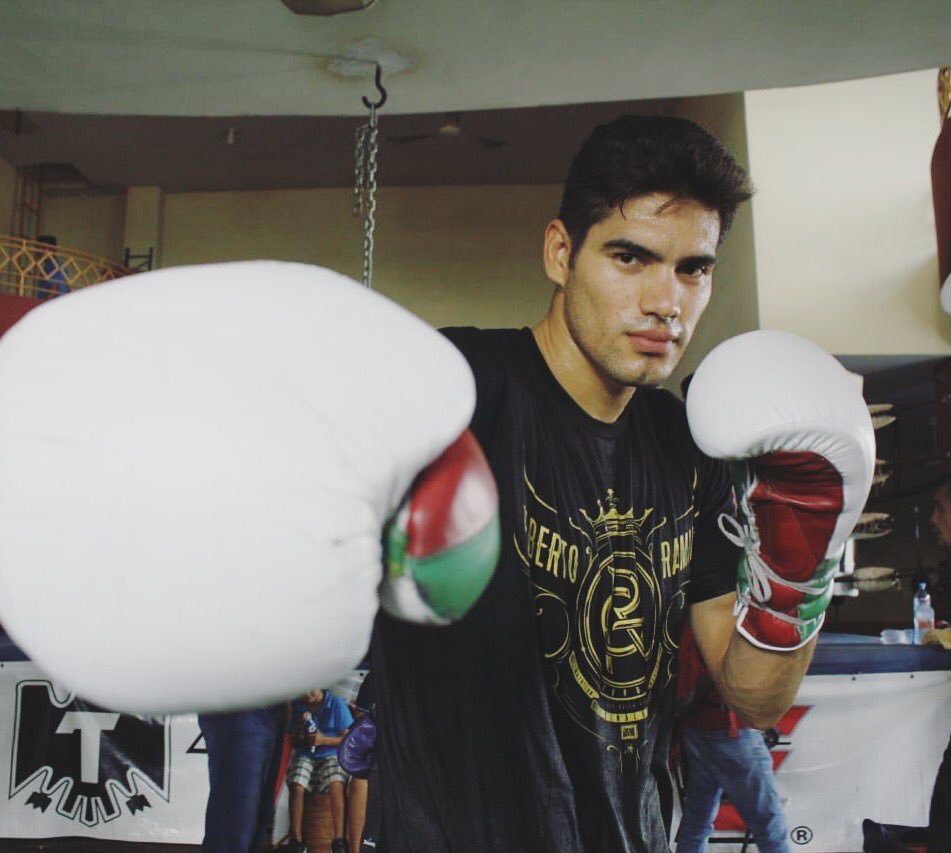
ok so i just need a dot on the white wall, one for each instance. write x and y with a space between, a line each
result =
453 255
843 216
89 223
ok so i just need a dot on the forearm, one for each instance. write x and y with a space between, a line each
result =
760 685
329 740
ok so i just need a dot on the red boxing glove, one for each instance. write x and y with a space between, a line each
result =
793 422
790 502
442 545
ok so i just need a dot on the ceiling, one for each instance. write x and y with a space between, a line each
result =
110 153
255 57
138 92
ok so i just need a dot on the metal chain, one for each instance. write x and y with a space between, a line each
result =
359 169
364 188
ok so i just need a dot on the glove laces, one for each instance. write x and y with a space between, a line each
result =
761 574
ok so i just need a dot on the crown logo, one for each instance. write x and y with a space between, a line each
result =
610 523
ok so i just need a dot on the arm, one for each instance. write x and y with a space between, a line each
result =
758 684
301 738
340 721
799 437
320 739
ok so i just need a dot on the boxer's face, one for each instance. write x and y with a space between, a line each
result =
941 515
639 284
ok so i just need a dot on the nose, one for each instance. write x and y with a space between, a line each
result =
660 295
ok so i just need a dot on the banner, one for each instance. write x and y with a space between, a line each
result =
69 768
854 747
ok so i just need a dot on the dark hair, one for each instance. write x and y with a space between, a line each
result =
48 239
943 481
636 155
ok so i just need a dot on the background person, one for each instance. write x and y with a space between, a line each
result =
244 754
53 281
314 765
360 747
939 816
723 753
890 838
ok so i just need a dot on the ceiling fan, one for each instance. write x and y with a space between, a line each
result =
449 131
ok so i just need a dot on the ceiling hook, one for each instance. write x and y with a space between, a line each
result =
378 79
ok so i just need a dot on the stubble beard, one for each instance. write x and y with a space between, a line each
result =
646 372
649 373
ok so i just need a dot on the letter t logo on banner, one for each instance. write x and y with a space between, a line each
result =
91 725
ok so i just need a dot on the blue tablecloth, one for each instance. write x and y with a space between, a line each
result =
851 654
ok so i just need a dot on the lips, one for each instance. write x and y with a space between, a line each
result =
653 341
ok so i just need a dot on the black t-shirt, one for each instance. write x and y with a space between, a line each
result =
541 721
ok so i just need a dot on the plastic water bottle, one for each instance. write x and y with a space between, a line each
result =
923 613
310 724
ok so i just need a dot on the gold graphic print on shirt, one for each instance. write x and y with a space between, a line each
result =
608 629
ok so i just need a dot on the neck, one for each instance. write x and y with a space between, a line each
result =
599 395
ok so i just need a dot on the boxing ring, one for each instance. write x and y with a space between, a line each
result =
863 739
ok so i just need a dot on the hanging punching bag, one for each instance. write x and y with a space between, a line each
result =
941 188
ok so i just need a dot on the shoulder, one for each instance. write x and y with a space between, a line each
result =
662 400
668 413
665 416
485 347
340 707
334 701
494 355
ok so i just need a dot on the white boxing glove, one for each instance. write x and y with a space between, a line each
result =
196 465
795 424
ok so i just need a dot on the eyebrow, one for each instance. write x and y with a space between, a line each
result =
643 252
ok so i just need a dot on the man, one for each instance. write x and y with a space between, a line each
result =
889 838
244 757
722 754
541 721
941 514
939 818
53 281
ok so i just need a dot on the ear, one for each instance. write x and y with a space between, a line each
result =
556 253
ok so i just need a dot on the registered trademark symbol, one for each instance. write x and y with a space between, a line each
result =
801 835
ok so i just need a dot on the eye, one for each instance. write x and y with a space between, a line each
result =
697 270
626 258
